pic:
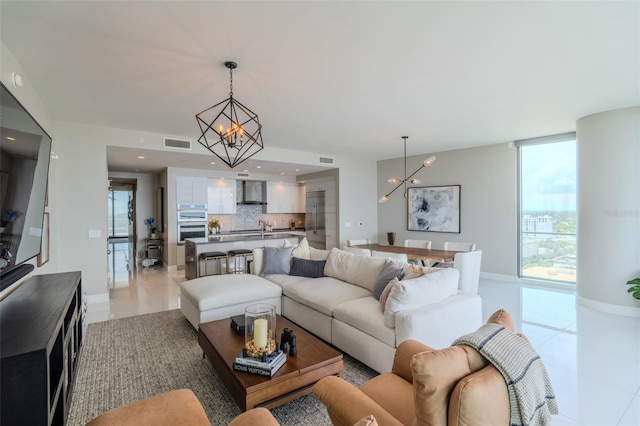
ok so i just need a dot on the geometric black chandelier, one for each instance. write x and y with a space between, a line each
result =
409 179
230 130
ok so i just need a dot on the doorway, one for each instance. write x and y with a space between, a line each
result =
122 232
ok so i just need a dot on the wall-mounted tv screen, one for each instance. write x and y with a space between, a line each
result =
25 149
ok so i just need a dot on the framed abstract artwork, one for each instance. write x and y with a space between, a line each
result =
434 209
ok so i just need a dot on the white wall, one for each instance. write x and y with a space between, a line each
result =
488 179
609 209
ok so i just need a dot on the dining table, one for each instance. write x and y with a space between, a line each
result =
433 256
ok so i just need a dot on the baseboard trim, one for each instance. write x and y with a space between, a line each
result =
609 308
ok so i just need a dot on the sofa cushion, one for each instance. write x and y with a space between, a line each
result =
277 260
318 254
425 290
394 394
353 269
323 294
219 291
389 272
283 280
307 268
364 314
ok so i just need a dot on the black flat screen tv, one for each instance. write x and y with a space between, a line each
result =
25 150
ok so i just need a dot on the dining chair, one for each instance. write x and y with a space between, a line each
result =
456 246
418 243
357 242
386 255
359 251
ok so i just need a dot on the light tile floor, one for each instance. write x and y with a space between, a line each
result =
593 358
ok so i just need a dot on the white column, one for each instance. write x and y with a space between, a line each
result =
609 210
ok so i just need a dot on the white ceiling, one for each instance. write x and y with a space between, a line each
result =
332 77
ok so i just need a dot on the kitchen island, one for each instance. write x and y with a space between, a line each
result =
231 241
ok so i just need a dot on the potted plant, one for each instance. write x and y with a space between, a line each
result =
635 287
214 226
152 227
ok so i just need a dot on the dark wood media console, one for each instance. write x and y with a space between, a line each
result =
41 332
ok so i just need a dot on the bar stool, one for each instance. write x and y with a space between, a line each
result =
235 255
212 255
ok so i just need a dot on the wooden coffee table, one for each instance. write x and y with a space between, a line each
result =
295 378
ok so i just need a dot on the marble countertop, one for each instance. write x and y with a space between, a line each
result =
248 236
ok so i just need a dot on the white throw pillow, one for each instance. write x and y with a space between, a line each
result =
300 250
424 290
318 254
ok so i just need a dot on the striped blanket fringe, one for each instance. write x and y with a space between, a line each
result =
531 395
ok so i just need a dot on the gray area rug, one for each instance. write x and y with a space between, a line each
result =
128 359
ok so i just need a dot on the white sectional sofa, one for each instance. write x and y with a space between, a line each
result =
341 307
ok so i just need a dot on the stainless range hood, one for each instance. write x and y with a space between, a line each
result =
253 192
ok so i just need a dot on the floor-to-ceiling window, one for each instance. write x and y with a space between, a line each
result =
121 217
547 208
121 211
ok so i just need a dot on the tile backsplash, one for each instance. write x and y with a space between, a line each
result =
247 217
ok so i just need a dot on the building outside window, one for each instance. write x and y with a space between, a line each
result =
547 208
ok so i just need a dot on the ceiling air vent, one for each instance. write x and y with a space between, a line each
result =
246 175
177 144
326 160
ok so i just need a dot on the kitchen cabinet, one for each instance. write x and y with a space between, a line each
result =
191 190
284 197
221 196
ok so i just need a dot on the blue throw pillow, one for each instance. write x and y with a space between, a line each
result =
307 268
276 260
389 272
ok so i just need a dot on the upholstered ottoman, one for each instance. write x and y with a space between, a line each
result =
222 296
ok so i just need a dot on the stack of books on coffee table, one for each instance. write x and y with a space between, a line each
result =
256 366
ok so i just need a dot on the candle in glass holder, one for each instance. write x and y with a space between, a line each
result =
260 327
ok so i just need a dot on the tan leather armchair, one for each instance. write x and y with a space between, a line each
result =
178 407
454 386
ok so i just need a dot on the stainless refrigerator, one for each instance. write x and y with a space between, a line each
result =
314 220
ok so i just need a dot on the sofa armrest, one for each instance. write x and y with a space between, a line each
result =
480 398
439 324
402 359
346 404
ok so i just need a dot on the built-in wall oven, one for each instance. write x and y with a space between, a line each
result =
192 216
192 221
191 230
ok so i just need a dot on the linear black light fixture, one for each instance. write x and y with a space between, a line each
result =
230 130
409 179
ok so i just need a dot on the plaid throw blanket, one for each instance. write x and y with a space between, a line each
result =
531 395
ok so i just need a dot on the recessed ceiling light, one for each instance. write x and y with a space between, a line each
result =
9 138
213 163
258 167
297 170
140 157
